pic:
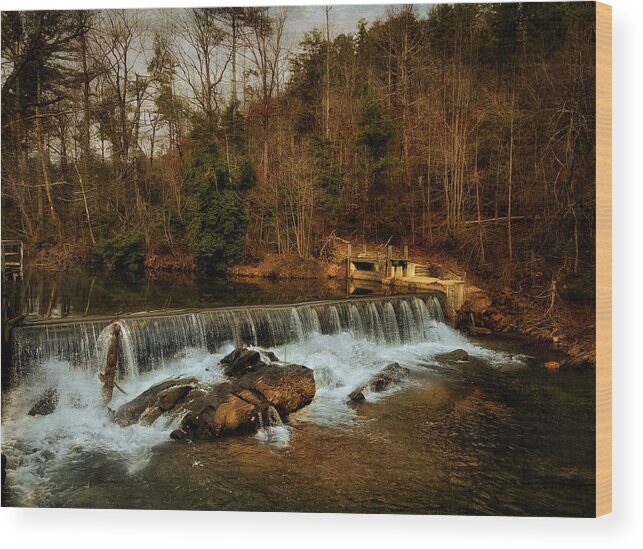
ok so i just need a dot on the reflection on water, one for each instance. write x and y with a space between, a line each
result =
57 295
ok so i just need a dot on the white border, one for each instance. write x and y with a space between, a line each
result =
67 529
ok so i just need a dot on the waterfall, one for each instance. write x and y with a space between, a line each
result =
150 341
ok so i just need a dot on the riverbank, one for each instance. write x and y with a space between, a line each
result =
286 267
556 322
498 304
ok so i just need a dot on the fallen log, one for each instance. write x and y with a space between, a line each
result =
108 377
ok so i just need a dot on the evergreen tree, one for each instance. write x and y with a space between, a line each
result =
216 221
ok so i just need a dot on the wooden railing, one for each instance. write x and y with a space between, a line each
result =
12 257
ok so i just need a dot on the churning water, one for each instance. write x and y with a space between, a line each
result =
151 341
344 342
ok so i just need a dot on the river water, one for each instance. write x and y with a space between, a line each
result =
497 434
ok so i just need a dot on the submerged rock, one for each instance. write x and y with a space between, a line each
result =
551 365
272 357
390 374
177 434
357 395
46 403
459 355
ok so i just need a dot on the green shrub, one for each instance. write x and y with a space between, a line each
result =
216 228
124 251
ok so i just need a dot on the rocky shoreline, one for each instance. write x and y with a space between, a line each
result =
504 313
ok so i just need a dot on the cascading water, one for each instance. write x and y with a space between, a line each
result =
344 342
150 342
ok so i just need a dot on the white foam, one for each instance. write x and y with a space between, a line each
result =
37 445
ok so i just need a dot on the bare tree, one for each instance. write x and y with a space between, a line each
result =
263 36
203 57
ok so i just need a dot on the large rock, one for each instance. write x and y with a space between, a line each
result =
46 403
153 402
287 388
215 412
237 406
390 374
242 405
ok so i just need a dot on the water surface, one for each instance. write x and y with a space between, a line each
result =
495 435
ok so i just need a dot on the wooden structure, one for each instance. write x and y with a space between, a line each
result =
12 258
401 272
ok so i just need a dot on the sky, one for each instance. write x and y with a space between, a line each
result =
343 18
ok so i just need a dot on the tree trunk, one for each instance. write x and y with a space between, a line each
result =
510 183
43 157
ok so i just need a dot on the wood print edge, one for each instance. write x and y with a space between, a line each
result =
603 259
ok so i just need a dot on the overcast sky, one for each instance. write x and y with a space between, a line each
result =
343 18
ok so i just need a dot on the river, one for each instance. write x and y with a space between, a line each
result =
495 435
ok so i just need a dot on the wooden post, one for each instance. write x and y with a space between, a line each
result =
389 265
348 261
406 251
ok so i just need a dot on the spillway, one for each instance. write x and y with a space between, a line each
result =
150 341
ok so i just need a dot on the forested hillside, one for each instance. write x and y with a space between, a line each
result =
203 134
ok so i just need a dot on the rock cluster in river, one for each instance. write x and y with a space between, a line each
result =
257 387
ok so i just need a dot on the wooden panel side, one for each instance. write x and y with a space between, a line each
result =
603 259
